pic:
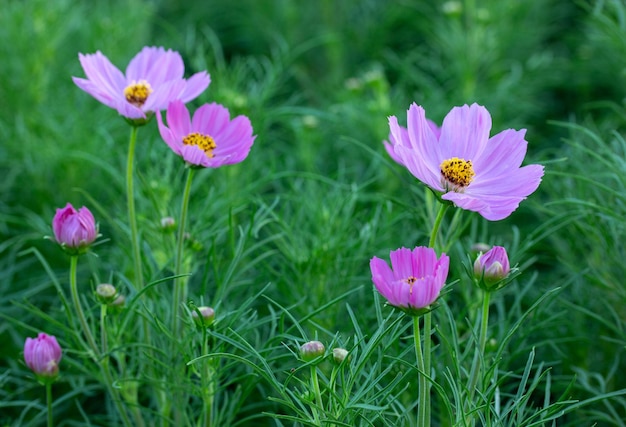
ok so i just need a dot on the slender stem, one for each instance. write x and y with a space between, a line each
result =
207 383
96 355
425 398
427 346
436 225
49 402
480 350
180 284
103 331
318 395
132 217
79 310
422 381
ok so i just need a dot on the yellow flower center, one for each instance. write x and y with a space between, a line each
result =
456 173
204 142
137 93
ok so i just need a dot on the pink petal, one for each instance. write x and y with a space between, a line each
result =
464 132
103 74
156 66
194 86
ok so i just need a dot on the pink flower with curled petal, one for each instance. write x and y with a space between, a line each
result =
404 134
75 230
211 139
414 280
42 355
464 165
153 78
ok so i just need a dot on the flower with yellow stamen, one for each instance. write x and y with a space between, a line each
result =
462 164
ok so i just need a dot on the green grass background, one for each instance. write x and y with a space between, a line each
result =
296 224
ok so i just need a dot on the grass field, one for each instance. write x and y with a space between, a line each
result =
279 245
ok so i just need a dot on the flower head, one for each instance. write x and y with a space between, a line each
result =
74 229
42 355
153 78
414 280
211 139
492 268
464 165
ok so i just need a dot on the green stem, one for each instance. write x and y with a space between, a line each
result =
480 351
318 395
132 217
436 225
422 381
427 329
103 331
180 284
49 402
207 383
96 355
79 310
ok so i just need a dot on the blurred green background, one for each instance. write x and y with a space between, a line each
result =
318 196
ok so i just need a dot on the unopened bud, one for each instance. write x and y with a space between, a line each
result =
311 350
203 316
168 224
106 293
339 355
491 268
117 305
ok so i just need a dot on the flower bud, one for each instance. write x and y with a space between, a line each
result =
42 355
205 317
339 355
74 230
311 350
118 304
491 268
168 224
106 293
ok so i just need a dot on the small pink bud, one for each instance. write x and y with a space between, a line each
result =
311 350
74 230
42 355
492 267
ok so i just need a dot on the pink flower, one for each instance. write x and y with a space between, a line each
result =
208 140
74 230
464 165
414 280
153 78
404 133
42 355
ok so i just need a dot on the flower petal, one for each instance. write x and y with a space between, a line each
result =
465 132
156 66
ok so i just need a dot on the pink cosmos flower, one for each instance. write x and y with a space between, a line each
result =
414 280
405 136
153 78
74 230
464 165
208 140
42 355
